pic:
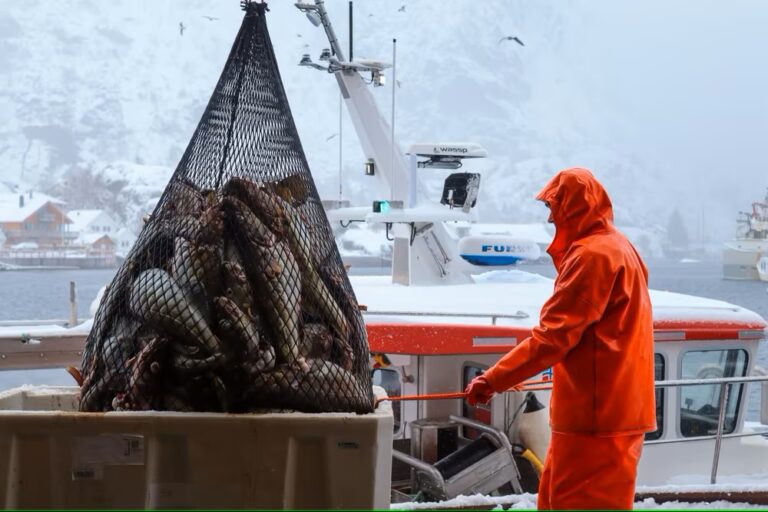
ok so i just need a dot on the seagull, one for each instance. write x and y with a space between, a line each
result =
209 18
181 28
401 9
332 136
398 83
298 35
511 38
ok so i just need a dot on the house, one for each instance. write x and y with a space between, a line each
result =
93 221
99 249
125 239
33 217
99 222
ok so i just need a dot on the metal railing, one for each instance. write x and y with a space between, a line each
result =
492 317
725 386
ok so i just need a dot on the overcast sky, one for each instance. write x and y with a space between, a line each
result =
688 82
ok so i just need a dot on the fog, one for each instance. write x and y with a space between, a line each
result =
666 100
686 83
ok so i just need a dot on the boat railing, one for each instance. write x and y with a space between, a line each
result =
492 317
725 384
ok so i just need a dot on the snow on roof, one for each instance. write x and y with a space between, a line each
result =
11 212
82 218
90 238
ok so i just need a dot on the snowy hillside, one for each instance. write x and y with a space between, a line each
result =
115 89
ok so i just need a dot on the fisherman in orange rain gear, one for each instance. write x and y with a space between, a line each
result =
596 332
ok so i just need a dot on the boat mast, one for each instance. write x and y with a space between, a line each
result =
423 249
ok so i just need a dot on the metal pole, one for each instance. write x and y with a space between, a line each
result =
719 438
351 55
72 304
341 104
335 48
394 86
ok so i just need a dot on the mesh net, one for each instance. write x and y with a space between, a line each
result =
234 297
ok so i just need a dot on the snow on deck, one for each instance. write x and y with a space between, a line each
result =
40 331
507 292
527 501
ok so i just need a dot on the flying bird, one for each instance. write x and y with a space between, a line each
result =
209 18
330 137
181 28
401 9
398 83
511 38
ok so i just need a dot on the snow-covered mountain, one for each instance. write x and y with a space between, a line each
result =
115 89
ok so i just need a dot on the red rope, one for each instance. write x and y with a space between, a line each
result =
529 385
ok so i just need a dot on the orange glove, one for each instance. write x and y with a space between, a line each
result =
479 391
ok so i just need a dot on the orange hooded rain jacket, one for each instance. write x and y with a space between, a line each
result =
596 330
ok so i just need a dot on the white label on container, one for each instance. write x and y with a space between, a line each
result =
91 453
87 472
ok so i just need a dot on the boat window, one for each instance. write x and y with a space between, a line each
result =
480 413
700 404
390 381
658 374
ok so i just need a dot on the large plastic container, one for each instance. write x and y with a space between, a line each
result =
53 457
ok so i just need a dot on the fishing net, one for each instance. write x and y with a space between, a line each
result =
234 297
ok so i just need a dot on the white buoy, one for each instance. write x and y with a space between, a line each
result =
534 427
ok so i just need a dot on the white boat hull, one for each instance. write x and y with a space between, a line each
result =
740 258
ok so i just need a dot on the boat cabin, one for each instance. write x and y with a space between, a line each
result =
414 356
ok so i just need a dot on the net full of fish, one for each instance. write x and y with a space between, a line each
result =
228 303
234 297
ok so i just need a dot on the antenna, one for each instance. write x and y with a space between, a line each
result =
351 55
341 181
394 86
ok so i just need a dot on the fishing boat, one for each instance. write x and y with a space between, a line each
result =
741 255
454 303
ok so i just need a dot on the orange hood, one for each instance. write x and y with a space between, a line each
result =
580 207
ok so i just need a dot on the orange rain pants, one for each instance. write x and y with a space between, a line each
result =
590 472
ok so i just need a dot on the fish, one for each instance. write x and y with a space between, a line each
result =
325 387
106 314
196 270
185 363
237 288
259 200
182 197
324 251
312 285
92 394
186 270
146 368
284 219
270 264
185 226
293 189
317 341
156 299
237 325
211 220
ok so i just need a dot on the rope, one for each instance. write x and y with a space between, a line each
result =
529 385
